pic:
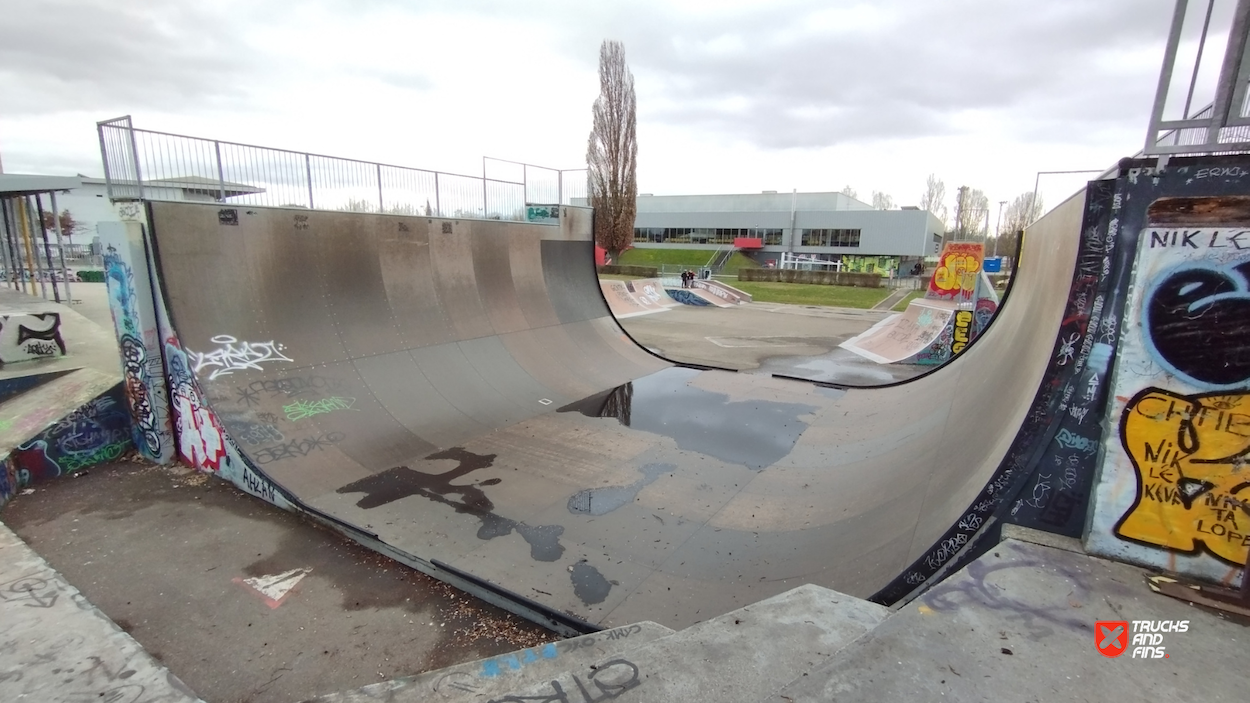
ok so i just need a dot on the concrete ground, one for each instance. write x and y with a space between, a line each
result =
769 338
165 552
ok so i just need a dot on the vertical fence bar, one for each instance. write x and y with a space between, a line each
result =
134 152
308 173
380 207
221 174
438 206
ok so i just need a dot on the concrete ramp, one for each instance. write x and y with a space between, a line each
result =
632 298
458 393
908 336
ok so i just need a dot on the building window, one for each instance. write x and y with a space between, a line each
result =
830 237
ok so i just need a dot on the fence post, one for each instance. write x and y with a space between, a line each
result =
134 153
104 156
308 172
438 206
379 187
221 177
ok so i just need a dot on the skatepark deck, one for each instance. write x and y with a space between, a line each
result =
459 389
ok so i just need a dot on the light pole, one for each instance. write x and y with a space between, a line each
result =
998 228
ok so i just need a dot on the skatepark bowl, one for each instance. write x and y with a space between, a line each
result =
456 393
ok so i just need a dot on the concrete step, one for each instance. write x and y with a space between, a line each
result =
486 679
743 656
1019 624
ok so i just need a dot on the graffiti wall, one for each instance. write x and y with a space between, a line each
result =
198 439
957 273
26 336
134 322
1174 490
870 264
97 432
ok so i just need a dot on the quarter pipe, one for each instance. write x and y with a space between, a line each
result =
458 392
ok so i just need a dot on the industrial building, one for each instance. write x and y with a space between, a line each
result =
829 227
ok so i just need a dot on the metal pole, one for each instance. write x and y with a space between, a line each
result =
47 248
379 187
1202 43
31 260
221 175
1165 74
308 173
959 204
134 153
4 245
438 206
60 245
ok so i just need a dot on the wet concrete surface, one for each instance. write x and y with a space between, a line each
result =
755 433
165 554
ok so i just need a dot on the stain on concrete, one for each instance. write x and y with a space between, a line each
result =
589 585
754 433
601 501
402 482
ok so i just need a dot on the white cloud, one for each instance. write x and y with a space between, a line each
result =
733 96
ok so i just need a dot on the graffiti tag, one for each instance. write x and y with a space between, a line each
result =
234 355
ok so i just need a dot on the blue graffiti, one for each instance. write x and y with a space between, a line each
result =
121 287
492 668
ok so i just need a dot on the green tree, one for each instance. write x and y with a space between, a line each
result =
612 155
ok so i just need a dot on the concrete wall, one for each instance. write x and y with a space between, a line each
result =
1172 490
827 278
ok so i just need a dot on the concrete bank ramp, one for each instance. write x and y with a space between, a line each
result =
459 391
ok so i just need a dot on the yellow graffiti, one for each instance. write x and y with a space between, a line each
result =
958 272
1193 482
963 331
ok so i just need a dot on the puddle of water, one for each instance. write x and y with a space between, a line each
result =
589 585
401 482
755 433
601 501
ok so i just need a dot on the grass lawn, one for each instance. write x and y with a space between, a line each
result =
902 304
811 294
692 258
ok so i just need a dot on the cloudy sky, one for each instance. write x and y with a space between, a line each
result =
733 95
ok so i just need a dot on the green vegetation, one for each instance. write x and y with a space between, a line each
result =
691 258
617 277
810 294
902 304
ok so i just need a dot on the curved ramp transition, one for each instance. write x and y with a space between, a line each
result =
460 389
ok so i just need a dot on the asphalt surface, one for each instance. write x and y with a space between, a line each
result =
164 553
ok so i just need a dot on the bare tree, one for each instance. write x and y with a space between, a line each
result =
934 198
849 192
612 156
881 201
1022 212
974 213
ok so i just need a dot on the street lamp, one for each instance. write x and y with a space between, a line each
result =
998 229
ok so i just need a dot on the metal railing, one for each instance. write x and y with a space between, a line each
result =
142 164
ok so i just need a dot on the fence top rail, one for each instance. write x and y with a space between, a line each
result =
110 124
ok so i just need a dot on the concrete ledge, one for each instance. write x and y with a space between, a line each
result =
55 647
